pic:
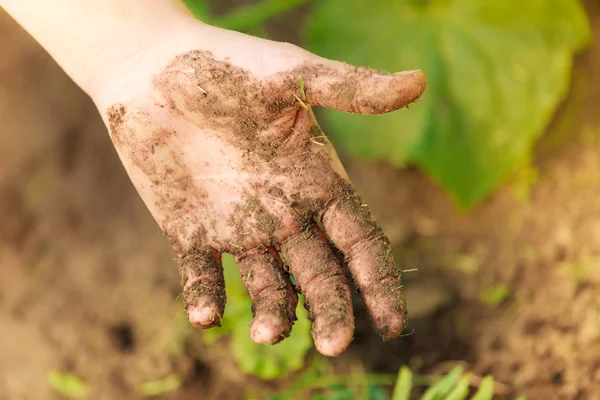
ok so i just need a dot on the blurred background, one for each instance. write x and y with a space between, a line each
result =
489 189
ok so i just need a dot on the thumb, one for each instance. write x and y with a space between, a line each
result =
360 90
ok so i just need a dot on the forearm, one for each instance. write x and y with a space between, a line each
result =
95 41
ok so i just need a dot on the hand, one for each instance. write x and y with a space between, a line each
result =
222 145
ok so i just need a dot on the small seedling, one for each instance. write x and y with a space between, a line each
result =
301 83
495 295
160 386
455 385
68 385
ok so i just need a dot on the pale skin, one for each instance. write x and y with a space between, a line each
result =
216 133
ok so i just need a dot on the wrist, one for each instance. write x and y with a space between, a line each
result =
98 42
133 55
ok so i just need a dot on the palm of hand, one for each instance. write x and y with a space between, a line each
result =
228 160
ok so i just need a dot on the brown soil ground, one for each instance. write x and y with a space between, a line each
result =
88 284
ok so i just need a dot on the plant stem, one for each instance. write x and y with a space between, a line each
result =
250 16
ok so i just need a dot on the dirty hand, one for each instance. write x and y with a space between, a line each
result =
225 150
216 131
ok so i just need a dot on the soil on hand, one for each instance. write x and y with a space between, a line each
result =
89 285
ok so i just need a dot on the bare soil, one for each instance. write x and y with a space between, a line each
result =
89 285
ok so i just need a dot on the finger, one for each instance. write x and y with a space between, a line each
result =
360 90
274 299
353 231
203 288
322 281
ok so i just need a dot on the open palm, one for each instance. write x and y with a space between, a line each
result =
227 155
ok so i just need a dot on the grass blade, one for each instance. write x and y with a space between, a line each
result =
486 389
403 384
444 385
461 390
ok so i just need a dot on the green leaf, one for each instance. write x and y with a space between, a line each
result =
461 390
496 70
486 389
67 384
340 392
266 362
376 392
271 362
495 295
160 386
403 384
442 387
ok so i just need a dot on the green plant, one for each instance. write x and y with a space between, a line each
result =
455 385
68 385
495 295
267 362
160 386
245 19
496 70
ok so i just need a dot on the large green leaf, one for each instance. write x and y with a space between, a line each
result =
496 70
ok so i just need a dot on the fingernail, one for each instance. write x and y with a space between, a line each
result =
416 73
268 329
204 316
